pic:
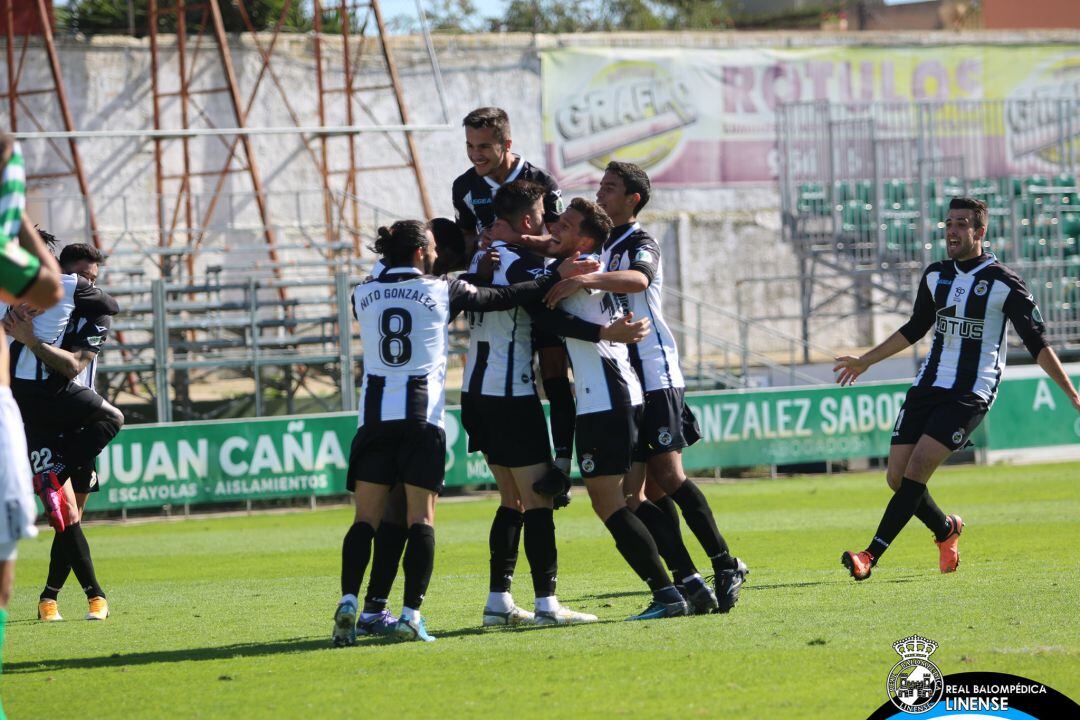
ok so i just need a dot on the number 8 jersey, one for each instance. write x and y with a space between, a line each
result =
403 318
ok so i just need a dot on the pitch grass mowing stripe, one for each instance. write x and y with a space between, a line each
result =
230 617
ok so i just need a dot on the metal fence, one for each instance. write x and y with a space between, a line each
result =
867 188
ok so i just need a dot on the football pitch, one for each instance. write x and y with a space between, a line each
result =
230 617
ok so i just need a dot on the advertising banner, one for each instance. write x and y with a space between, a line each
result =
706 117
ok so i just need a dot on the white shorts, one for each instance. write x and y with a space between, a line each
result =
18 510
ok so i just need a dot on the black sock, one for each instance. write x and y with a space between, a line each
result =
418 563
355 554
59 569
933 518
671 510
563 415
541 550
668 541
503 543
901 507
636 545
78 554
699 518
389 544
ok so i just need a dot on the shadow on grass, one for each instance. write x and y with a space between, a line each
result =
225 652
749 586
241 650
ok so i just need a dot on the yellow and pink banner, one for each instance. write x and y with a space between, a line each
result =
708 117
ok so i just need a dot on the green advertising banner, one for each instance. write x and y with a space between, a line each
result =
1031 411
299 456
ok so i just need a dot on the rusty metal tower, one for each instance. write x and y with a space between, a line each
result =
33 17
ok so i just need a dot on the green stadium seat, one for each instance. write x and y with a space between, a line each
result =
842 192
864 191
856 216
895 192
812 200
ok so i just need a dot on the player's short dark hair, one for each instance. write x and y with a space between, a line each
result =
595 223
489 117
448 235
976 206
634 180
516 198
397 243
74 252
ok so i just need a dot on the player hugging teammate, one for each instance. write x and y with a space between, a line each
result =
601 316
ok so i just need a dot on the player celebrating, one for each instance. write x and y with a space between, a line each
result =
403 315
609 411
488 143
504 419
967 299
74 360
29 274
633 272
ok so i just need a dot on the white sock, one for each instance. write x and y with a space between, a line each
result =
695 576
547 604
500 601
563 464
349 597
408 614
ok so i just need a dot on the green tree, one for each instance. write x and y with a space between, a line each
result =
94 17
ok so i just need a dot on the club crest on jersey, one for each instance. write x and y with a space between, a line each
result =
664 437
915 684
981 288
587 463
958 437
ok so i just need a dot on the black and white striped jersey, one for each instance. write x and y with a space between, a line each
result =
403 318
968 303
603 376
87 333
501 343
474 194
656 357
79 296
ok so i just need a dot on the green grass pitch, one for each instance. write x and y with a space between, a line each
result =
230 617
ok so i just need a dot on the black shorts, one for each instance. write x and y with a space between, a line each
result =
49 411
606 441
398 451
84 480
668 424
510 431
46 407
948 418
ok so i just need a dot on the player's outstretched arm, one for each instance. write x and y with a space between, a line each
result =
465 296
558 322
1051 365
848 368
617 281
